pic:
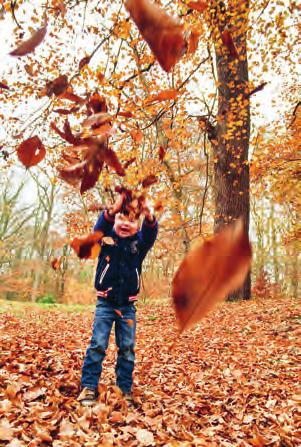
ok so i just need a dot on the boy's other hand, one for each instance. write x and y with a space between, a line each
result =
117 205
147 210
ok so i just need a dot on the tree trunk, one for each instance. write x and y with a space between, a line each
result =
231 147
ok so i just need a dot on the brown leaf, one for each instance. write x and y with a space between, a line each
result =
6 431
164 95
193 42
256 89
4 86
158 206
87 247
210 271
66 134
97 103
33 393
126 114
66 111
111 159
200 5
97 119
56 262
129 162
118 312
57 86
229 43
29 45
67 430
162 153
130 322
92 170
31 151
149 180
70 96
164 34
84 61
73 174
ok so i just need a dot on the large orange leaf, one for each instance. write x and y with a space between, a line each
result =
200 5
164 95
210 271
164 34
87 247
29 45
31 151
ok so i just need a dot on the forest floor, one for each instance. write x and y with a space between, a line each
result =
231 381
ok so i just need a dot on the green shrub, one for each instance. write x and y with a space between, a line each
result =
46 299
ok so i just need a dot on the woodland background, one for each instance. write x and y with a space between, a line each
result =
98 49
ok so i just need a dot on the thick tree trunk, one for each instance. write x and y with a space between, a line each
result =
231 167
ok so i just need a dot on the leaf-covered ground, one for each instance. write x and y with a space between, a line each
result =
232 381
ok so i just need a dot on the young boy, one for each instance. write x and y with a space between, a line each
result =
117 282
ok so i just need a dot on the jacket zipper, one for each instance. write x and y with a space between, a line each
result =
103 273
138 280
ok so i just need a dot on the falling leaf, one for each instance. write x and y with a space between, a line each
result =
118 312
164 34
57 86
73 174
70 96
229 43
56 262
137 135
158 206
164 95
97 103
256 89
4 86
145 437
149 180
198 6
209 272
130 322
84 61
162 153
29 45
126 114
193 42
111 159
97 119
66 134
87 247
31 151
129 162
91 172
66 111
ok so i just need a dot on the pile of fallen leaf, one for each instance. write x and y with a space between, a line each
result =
231 381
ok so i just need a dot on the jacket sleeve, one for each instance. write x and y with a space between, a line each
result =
104 223
148 234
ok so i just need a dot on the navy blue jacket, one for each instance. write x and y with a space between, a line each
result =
119 266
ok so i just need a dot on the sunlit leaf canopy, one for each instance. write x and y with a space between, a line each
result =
95 47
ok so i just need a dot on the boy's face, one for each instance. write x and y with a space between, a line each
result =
124 227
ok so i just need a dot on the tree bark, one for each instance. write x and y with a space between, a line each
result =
231 169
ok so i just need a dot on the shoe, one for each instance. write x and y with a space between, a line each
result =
87 397
129 399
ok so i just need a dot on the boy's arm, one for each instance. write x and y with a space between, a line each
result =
149 232
105 222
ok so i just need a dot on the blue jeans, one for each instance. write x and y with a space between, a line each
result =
105 316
